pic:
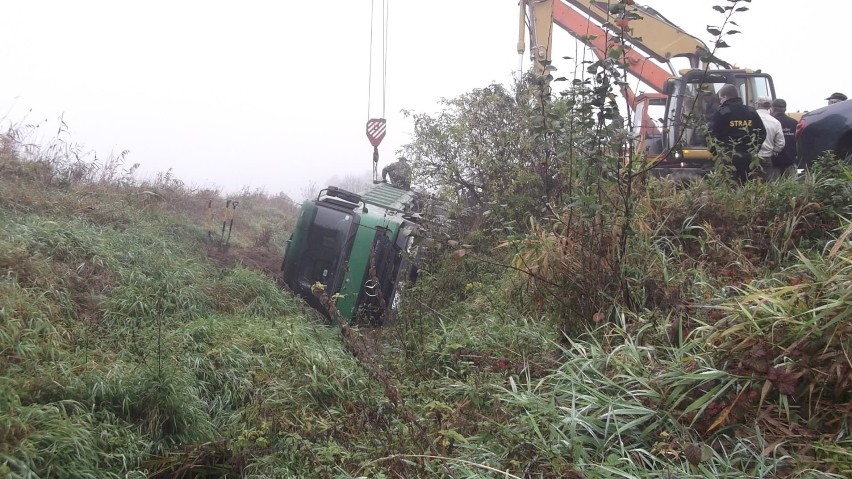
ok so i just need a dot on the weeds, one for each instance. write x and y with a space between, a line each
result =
700 331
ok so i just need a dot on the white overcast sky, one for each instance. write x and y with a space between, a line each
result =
274 94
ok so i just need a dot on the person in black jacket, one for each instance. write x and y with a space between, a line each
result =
785 161
737 130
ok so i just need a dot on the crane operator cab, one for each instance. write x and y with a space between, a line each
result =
692 101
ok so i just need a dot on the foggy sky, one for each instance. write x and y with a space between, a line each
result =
273 95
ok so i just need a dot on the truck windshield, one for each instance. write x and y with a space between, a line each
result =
326 247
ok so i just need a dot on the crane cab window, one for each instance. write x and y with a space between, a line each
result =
649 123
754 86
700 102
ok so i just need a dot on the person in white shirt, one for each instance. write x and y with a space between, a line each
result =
774 143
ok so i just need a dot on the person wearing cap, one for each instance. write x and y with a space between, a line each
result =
774 142
785 161
836 97
736 129
399 173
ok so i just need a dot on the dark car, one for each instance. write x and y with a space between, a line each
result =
826 129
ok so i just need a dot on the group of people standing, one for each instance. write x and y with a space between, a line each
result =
739 129
736 130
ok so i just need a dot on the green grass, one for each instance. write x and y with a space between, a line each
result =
130 348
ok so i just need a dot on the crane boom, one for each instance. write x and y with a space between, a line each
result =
650 31
597 39
536 17
540 15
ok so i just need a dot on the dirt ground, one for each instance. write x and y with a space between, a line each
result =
260 258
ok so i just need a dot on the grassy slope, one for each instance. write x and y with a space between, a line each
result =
126 350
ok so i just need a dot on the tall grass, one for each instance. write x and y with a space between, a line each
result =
129 348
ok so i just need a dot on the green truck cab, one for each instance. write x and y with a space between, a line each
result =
360 247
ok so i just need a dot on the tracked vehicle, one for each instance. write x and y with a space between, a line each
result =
668 118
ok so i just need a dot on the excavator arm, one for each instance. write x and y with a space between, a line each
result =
536 17
649 34
539 16
649 31
600 42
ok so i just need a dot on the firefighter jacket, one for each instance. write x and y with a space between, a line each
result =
737 128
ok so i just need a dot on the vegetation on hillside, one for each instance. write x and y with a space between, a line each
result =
584 320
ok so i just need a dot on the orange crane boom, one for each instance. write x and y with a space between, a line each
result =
599 41
542 14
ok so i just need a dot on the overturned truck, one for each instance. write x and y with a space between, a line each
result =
359 247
